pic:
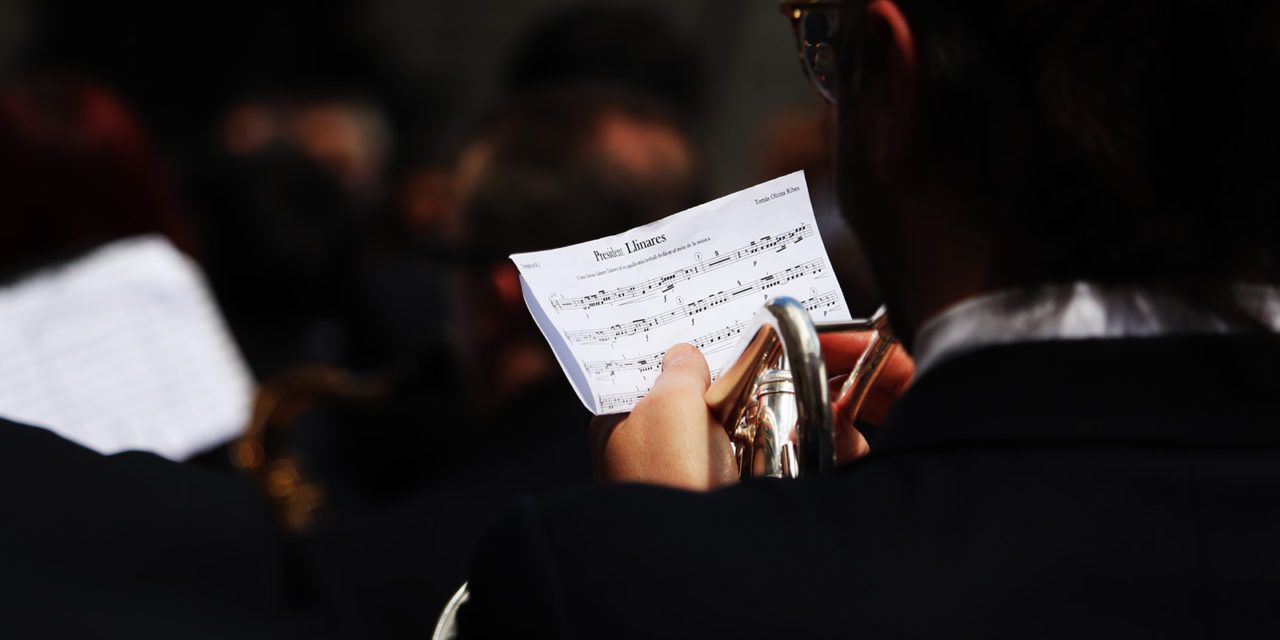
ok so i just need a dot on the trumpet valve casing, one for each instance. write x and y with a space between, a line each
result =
766 438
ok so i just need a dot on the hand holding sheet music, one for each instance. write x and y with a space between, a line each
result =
611 307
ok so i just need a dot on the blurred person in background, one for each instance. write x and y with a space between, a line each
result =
629 48
131 544
566 166
573 154
406 265
411 483
431 472
76 172
285 207
625 45
348 136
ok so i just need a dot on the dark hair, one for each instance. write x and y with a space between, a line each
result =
1134 142
546 183
76 171
631 46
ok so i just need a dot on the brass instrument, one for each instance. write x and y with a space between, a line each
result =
265 450
775 401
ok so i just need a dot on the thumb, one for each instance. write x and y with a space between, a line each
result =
684 366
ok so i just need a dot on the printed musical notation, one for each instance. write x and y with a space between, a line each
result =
611 307
123 348
667 282
826 303
709 343
688 310
617 402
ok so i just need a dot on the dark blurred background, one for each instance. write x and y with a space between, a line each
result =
308 146
429 66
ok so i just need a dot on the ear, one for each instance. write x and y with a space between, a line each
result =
885 57
505 281
890 27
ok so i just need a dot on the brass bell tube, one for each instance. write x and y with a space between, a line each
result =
774 400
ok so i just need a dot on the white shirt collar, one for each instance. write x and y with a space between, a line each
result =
1078 311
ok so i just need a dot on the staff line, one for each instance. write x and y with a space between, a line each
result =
667 281
611 333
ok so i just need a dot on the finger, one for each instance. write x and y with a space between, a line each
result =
896 375
894 380
680 388
841 350
684 368
850 445
678 393
670 437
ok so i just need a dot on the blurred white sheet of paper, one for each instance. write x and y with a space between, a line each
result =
122 349
611 307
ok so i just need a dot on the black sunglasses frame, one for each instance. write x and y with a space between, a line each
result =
816 24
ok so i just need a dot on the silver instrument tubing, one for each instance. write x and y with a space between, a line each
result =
774 399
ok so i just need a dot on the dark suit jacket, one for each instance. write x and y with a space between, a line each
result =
1126 489
135 546
389 568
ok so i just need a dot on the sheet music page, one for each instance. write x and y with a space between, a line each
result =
611 307
122 349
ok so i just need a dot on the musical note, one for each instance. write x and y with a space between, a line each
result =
824 302
610 316
710 343
635 327
666 282
614 402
